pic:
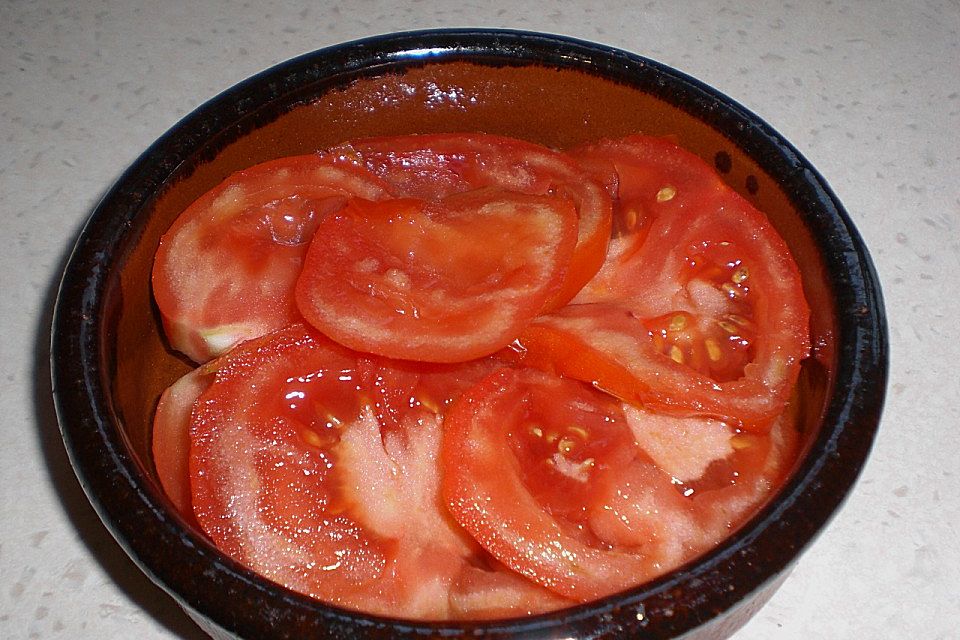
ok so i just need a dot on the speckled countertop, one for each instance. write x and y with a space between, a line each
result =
868 91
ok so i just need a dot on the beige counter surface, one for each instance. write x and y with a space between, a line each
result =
868 91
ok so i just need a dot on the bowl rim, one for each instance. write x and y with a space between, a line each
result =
115 482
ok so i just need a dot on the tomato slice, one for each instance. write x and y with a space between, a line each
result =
171 436
435 166
526 459
705 316
439 281
226 268
718 477
586 496
293 475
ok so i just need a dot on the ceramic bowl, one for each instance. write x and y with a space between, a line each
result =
110 361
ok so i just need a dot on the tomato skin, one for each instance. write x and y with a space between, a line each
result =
225 270
436 166
437 282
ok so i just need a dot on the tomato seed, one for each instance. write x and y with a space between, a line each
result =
666 194
728 327
397 279
778 368
676 354
430 405
713 349
367 265
580 431
312 438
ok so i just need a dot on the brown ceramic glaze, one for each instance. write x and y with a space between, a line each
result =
111 361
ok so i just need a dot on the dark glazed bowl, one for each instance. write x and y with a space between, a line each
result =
110 362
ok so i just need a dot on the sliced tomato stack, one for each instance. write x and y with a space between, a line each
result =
465 376
303 469
436 166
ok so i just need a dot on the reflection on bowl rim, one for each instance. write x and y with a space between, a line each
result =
100 456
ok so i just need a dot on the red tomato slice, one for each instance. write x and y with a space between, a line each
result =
706 316
171 436
606 345
435 166
578 494
441 282
293 476
527 459
226 268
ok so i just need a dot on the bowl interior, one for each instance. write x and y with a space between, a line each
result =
111 360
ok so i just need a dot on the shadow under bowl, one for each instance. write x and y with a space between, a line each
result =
110 361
